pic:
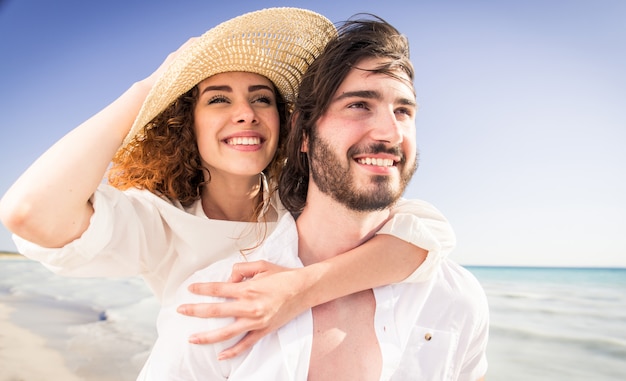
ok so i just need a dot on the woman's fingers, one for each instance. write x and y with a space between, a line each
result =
209 310
242 345
168 60
259 306
240 326
226 333
247 270
219 289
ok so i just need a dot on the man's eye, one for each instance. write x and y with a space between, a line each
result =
405 111
358 105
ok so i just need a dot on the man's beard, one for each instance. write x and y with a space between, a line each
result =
336 181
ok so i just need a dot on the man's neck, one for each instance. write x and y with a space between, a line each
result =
327 228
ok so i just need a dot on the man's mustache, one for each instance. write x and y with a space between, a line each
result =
377 148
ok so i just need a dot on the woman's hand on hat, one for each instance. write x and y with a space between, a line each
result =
151 79
264 297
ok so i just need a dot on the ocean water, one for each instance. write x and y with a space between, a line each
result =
555 324
546 324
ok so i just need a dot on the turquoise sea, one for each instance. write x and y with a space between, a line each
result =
552 324
555 324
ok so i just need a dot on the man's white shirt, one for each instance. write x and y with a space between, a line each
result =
431 330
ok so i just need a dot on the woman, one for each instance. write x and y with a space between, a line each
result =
194 162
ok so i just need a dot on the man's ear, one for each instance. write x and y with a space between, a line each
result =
305 142
304 147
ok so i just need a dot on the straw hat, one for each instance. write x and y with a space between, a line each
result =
278 43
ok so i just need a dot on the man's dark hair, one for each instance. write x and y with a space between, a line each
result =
357 39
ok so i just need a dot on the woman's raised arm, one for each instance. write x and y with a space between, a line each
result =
49 203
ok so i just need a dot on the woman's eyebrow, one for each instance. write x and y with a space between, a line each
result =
260 87
225 88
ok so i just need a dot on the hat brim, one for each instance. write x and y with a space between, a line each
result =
278 43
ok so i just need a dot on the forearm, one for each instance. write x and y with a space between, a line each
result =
382 260
49 204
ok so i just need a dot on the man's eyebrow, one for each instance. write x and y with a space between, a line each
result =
372 94
368 94
407 102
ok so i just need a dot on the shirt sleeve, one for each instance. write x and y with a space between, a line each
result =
475 364
423 225
120 230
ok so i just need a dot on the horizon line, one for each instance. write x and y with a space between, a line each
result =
4 252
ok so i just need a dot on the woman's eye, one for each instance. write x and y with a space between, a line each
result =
217 99
263 99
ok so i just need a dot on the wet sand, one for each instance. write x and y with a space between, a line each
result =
38 341
25 356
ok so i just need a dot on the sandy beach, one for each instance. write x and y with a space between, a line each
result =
543 320
26 356
43 339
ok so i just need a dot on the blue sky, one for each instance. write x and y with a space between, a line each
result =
522 127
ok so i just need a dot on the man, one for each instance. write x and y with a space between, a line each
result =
353 143
352 151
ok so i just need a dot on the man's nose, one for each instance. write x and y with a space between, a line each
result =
386 128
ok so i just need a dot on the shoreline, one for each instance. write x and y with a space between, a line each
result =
7 255
26 356
52 336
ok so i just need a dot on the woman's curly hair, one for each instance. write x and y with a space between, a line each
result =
165 160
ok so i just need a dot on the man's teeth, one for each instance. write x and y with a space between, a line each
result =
376 162
245 141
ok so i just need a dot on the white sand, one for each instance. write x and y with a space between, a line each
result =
40 340
24 356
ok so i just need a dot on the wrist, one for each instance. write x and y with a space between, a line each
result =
142 87
310 286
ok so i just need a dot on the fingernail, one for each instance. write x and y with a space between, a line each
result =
181 310
194 340
222 356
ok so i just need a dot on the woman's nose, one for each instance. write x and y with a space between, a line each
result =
244 113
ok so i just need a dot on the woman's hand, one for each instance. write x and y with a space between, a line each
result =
264 297
151 79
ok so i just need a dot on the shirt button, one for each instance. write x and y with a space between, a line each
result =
428 336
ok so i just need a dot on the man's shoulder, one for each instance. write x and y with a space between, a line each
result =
460 284
454 273
451 284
